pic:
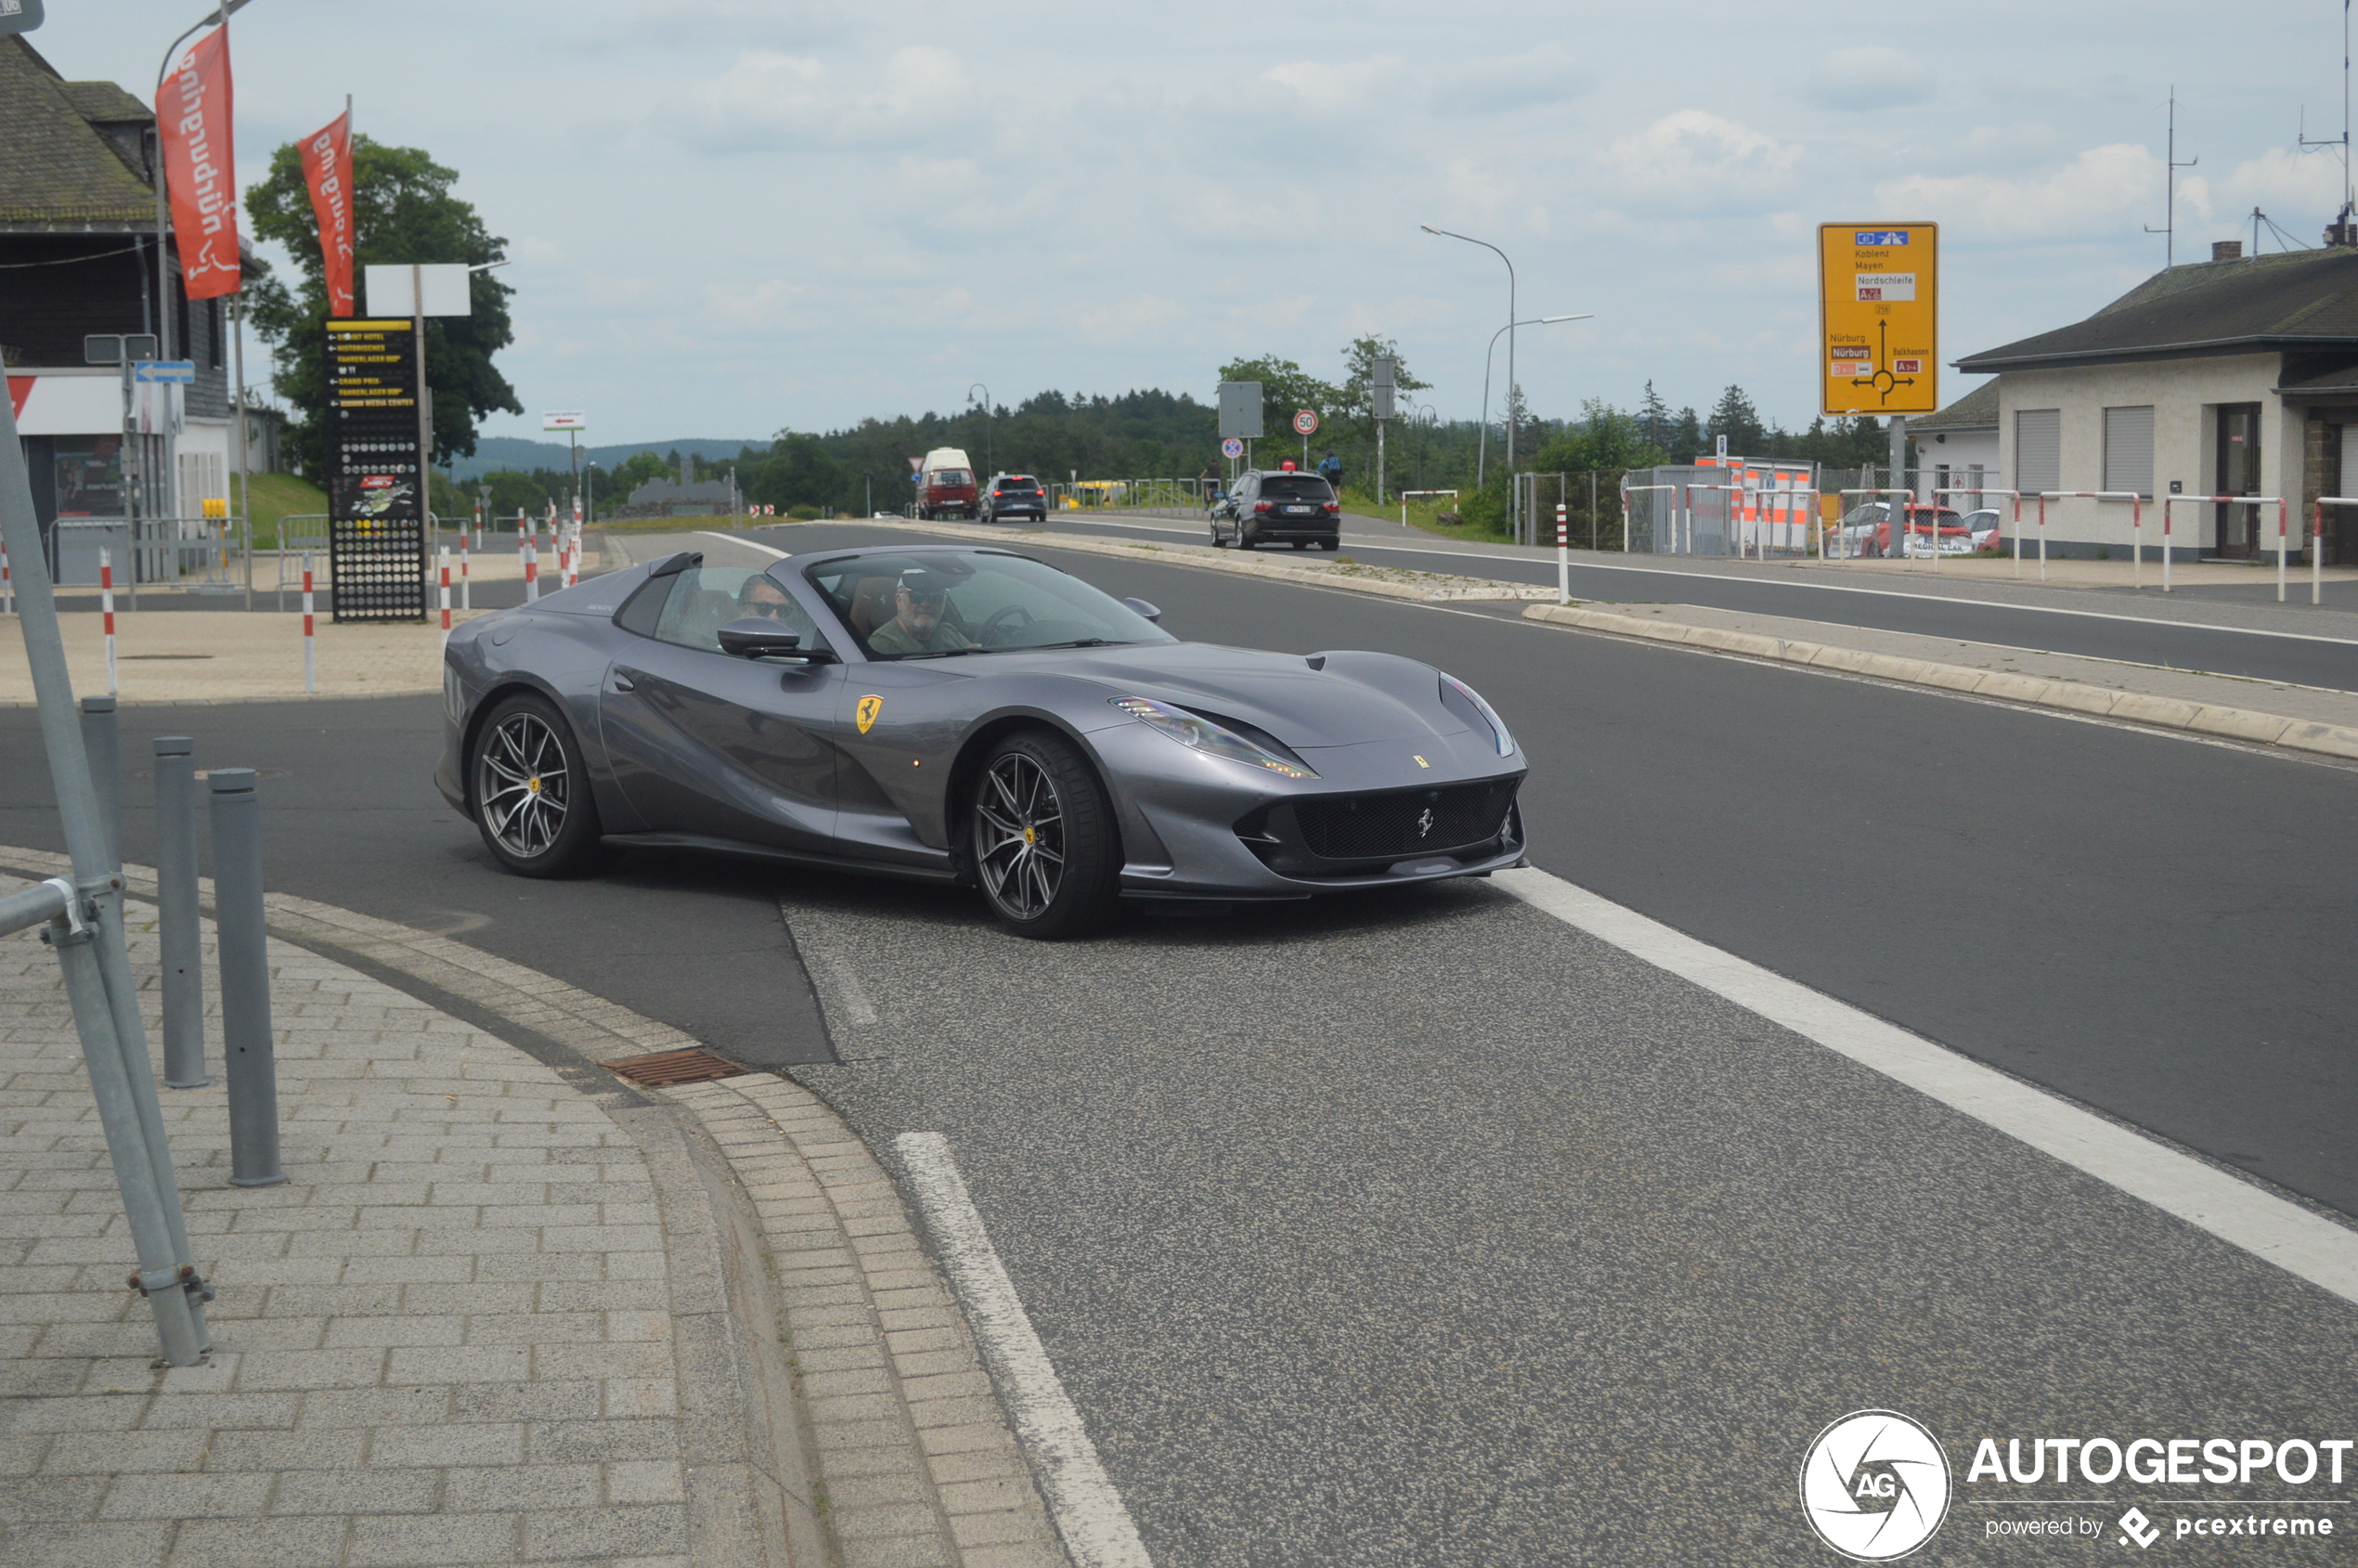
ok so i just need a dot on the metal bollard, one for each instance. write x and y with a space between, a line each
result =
249 1058
99 740
176 913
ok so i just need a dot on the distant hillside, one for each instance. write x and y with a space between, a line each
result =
514 452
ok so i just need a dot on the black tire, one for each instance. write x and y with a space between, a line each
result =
1330 545
1245 540
1301 544
1042 838
536 820
1217 542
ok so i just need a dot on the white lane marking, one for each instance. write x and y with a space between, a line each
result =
740 539
2261 1223
1090 1515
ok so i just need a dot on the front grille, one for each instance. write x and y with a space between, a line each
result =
1410 823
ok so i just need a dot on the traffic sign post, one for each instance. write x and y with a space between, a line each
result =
1878 311
1305 424
1879 324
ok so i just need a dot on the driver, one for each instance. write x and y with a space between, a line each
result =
762 596
917 625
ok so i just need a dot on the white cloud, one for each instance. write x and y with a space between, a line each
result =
767 99
1694 159
2291 188
2090 198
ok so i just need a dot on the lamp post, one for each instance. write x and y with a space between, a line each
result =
990 453
1481 446
1509 329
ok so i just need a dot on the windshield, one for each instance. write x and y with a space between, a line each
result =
937 603
1295 488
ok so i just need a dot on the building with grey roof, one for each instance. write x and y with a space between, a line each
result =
78 256
2235 376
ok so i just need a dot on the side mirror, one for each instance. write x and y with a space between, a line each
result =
758 637
1143 608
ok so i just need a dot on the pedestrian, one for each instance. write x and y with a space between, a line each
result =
1330 470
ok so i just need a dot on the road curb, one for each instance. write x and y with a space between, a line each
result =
2136 707
791 1251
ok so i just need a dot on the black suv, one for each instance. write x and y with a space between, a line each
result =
1013 494
1278 508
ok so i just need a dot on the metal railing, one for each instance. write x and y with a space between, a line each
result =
1153 498
185 553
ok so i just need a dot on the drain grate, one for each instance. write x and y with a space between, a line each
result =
676 1066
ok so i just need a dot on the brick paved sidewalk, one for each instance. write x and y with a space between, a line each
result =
502 1312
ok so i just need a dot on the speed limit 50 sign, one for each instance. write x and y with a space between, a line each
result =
1305 423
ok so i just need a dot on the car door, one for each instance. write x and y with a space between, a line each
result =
713 745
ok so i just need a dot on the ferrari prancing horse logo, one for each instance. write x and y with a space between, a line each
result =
869 708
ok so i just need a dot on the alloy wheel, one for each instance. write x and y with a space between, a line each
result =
522 784
1019 838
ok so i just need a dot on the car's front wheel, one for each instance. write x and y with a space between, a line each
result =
1043 837
531 791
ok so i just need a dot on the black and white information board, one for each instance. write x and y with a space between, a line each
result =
376 474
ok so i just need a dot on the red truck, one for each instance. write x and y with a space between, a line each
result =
946 486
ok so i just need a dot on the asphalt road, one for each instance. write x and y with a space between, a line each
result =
2103 623
1425 1229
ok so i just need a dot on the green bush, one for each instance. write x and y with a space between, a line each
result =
803 514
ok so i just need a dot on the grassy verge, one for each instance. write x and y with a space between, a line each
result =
281 495
1424 512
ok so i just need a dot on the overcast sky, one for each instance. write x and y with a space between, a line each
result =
729 216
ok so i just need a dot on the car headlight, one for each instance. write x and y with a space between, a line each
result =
1451 687
1192 730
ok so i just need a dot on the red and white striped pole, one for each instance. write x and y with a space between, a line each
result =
573 556
445 594
531 571
1563 556
310 656
2283 544
8 585
106 609
466 587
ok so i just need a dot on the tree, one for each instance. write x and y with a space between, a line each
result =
402 211
637 469
1285 388
1653 418
1606 439
1686 436
1734 417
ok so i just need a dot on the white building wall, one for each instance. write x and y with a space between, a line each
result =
1960 453
2186 395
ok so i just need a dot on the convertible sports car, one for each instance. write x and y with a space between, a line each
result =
962 716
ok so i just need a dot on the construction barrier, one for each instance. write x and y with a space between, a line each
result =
1984 491
2136 528
2278 502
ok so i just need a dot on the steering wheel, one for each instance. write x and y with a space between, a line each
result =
990 635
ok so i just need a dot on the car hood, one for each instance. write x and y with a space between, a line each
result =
1357 697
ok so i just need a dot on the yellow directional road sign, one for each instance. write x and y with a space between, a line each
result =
1879 317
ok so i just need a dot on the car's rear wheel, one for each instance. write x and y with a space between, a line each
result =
1042 836
1301 544
1218 542
1330 544
531 791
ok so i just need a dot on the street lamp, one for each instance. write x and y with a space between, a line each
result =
1447 233
990 454
1481 446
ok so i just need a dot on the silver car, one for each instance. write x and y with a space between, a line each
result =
966 717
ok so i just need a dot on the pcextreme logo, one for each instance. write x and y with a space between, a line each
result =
1876 1485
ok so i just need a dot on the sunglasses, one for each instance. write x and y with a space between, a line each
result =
928 600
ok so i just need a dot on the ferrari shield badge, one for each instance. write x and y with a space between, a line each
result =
869 707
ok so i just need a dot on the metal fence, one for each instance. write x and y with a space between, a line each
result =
186 553
1156 498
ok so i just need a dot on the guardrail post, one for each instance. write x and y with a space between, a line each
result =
101 744
176 773
248 1054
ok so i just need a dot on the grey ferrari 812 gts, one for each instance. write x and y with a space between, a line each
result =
964 717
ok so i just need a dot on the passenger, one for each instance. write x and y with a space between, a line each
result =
917 625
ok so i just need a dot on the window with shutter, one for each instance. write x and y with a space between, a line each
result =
2038 450
2128 449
